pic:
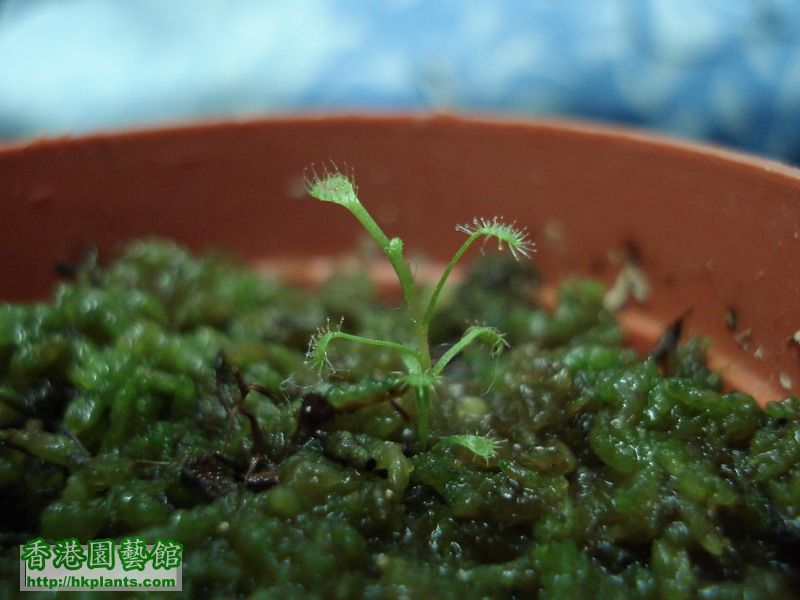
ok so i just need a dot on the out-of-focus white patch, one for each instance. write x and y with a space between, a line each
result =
514 57
388 71
688 32
116 65
481 20
649 86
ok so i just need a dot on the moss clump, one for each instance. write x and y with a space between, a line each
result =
614 477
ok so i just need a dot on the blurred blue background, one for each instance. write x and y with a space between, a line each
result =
726 71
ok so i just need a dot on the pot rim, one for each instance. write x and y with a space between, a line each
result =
586 127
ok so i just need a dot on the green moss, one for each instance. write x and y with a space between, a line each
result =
612 478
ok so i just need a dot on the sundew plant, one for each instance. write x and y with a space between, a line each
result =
422 372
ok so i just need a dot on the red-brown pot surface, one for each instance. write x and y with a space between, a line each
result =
714 231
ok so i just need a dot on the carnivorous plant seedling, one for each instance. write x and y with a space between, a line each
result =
422 373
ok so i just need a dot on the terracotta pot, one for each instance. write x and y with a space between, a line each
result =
714 231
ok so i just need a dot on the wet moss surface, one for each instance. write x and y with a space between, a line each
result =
168 396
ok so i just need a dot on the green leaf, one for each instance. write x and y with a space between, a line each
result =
317 354
481 445
506 234
332 186
489 335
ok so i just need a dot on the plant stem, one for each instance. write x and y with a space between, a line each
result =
394 252
423 405
469 336
358 339
428 315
